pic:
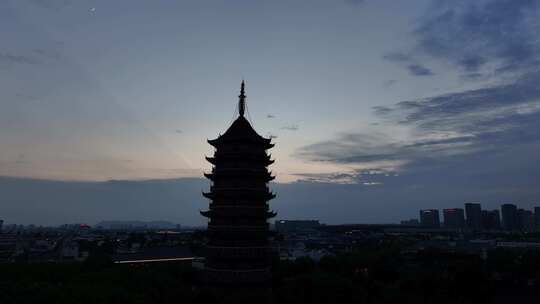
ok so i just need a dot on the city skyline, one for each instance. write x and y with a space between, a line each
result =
371 112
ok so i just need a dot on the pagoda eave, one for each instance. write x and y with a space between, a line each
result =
218 214
266 196
225 175
219 142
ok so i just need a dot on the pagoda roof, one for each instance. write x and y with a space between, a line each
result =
241 131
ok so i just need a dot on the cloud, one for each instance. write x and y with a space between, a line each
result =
179 200
382 110
29 57
17 59
480 108
350 148
357 148
397 57
51 4
488 137
419 70
339 178
365 177
482 37
26 97
389 83
290 128
371 183
48 53
414 68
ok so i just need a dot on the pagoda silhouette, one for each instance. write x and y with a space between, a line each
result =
238 250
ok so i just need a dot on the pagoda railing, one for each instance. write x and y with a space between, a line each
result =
250 189
214 206
237 169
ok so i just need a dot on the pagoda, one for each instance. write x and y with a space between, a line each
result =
238 250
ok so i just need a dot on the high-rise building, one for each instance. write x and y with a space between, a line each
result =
430 218
537 218
474 215
509 217
454 218
525 220
491 219
238 250
1 224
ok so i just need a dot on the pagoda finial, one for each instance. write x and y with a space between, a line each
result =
242 101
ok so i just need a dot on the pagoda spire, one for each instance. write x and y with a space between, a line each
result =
242 100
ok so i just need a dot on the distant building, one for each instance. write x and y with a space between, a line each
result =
430 218
136 225
509 217
70 251
8 244
525 220
1 224
474 215
491 219
411 222
296 225
454 218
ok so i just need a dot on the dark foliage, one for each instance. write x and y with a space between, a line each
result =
378 273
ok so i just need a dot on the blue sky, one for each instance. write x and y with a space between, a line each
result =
435 102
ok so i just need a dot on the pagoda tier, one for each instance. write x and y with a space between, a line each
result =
226 158
237 212
240 134
219 142
228 174
238 233
232 193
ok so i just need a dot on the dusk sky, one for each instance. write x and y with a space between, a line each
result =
378 108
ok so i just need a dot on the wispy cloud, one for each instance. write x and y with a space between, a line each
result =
10 58
447 133
389 83
409 62
397 57
480 38
51 4
419 70
290 128
365 177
